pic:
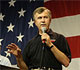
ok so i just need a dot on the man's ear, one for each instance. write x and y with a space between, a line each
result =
50 21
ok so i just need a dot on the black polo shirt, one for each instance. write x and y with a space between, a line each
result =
35 56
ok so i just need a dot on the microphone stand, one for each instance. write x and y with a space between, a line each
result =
42 54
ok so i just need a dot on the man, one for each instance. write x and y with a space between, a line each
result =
47 50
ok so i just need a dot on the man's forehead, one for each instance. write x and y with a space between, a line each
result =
44 12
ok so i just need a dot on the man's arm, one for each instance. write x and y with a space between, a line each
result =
60 56
16 51
21 64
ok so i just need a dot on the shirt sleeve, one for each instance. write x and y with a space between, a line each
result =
64 46
67 49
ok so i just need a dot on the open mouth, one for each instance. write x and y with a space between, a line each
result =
43 24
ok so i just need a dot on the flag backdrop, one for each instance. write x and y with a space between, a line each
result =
16 24
66 21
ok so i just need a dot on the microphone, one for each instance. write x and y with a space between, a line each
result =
44 31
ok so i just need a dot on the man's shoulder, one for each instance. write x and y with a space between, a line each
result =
56 35
60 37
34 38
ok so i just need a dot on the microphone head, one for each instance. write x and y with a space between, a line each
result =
43 29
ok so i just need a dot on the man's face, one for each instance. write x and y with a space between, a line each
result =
42 20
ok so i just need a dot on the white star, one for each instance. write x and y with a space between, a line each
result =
20 37
12 3
22 12
0 41
31 23
7 54
10 27
1 16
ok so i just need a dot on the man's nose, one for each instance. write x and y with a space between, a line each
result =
43 20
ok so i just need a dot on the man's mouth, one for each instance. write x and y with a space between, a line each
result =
43 24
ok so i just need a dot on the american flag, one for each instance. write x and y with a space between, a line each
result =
16 24
66 21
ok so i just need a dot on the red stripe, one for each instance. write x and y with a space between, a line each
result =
74 43
63 8
66 8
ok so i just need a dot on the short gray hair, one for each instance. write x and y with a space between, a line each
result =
40 10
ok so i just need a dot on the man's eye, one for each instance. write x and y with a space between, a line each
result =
39 17
45 17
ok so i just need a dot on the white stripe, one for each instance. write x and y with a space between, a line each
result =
46 0
74 65
68 26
